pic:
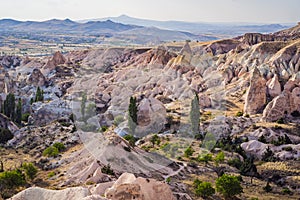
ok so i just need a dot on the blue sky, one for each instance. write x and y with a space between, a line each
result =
264 11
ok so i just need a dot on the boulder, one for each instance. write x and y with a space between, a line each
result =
256 96
129 187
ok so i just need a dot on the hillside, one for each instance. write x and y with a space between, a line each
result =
115 123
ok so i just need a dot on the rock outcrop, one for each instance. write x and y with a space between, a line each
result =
256 96
126 187
277 108
274 87
130 187
57 59
36 78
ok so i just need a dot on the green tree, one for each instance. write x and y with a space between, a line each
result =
39 95
132 115
9 106
5 135
195 114
82 107
51 151
205 190
19 112
11 179
30 170
205 158
268 155
228 186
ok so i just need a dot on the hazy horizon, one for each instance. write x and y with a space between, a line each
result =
217 11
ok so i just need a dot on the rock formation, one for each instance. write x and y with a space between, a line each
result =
130 187
274 87
256 96
36 78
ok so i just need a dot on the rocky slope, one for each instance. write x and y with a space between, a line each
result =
253 75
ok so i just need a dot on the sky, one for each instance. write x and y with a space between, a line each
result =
259 11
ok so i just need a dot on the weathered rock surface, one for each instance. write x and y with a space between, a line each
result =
274 87
56 60
36 78
130 187
256 96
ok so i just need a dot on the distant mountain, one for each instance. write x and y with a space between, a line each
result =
114 32
64 26
226 29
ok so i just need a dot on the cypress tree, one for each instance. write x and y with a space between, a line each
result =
195 114
39 95
83 102
19 112
9 106
132 115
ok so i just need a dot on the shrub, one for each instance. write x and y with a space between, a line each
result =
107 170
60 146
30 170
262 139
155 140
205 158
25 117
239 114
131 139
5 135
188 152
268 156
287 191
228 186
288 148
235 162
205 190
51 174
247 115
220 157
118 120
51 151
196 183
11 179
280 121
168 180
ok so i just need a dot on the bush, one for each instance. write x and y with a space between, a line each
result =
205 158
118 120
280 121
5 135
107 170
295 113
60 146
30 170
287 191
239 114
25 117
11 179
188 152
51 151
235 162
205 190
288 148
228 186
131 139
220 157
268 156
196 183
51 174
155 140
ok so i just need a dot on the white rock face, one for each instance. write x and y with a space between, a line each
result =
36 193
129 187
274 88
